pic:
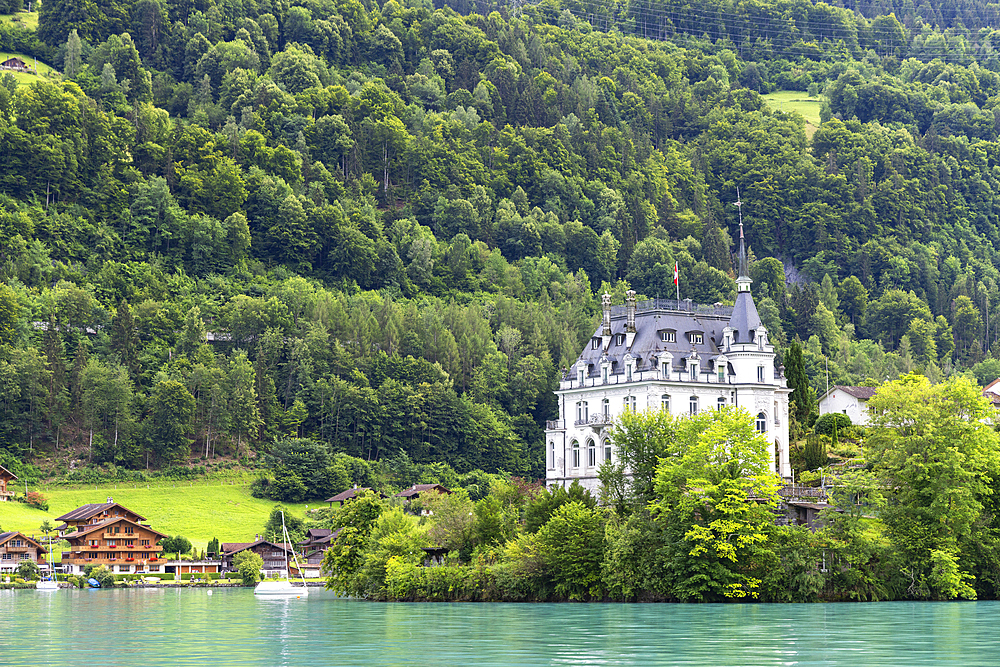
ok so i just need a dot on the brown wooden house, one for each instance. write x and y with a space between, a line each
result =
110 534
6 477
273 554
95 513
16 547
15 64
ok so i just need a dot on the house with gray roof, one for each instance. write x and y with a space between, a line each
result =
850 401
671 355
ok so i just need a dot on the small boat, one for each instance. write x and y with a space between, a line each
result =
284 589
48 583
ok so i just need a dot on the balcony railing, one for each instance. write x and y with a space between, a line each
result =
599 419
555 425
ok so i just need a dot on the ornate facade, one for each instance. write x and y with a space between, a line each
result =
670 355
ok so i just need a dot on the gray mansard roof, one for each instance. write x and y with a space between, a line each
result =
658 315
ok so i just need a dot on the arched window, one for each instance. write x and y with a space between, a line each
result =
761 422
693 405
665 403
591 454
552 455
721 402
576 454
606 409
607 450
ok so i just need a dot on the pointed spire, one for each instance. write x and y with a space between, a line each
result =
743 279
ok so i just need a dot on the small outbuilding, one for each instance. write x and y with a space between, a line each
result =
414 491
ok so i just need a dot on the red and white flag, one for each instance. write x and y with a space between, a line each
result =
676 273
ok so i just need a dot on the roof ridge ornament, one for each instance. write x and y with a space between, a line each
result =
743 279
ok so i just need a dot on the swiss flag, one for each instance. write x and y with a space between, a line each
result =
676 273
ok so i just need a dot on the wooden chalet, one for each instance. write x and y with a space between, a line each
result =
15 64
110 534
6 476
314 547
16 547
272 553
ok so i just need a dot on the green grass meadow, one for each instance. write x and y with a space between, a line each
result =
799 101
199 511
28 20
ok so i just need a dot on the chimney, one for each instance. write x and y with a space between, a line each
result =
606 326
110 500
629 318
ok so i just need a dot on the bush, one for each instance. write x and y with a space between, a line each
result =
37 500
815 455
830 422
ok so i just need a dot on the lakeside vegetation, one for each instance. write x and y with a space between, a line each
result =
696 521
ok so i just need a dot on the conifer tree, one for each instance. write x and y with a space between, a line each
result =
795 372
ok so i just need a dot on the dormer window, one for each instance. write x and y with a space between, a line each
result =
668 336
696 338
595 344
619 339
580 376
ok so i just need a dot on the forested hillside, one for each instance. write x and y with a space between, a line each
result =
383 227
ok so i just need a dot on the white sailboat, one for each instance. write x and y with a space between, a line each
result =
49 584
283 588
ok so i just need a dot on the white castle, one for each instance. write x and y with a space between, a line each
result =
670 355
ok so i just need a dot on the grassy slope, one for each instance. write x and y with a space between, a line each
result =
200 512
27 19
794 100
44 71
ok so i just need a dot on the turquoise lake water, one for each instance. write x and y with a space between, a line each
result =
105 628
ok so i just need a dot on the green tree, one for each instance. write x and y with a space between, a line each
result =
249 565
854 299
169 420
10 313
244 414
28 570
73 58
802 394
640 439
571 543
932 448
716 493
178 544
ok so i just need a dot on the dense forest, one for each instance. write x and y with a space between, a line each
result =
383 228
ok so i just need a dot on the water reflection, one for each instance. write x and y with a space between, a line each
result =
232 627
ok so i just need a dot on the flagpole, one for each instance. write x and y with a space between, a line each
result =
677 280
